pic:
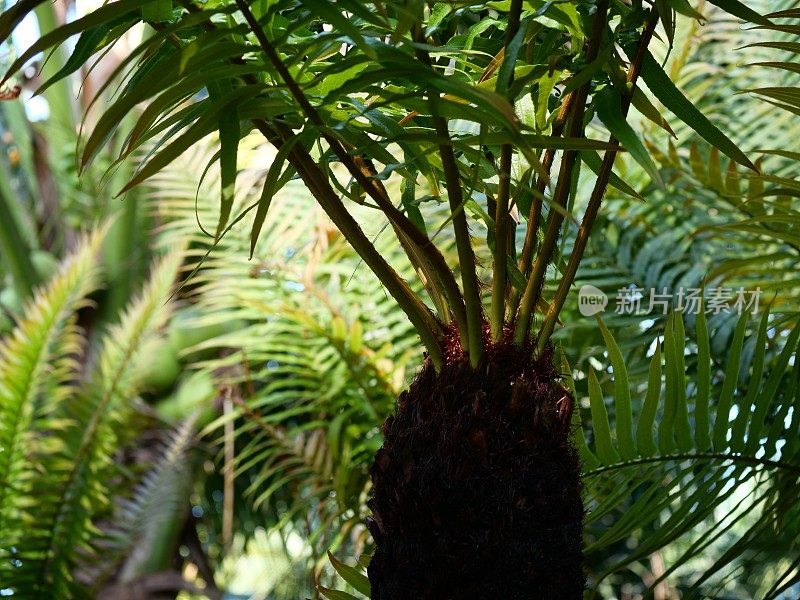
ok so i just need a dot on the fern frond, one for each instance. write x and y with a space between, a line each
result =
153 505
77 464
38 365
311 373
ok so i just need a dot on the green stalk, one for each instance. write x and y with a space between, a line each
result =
599 190
455 196
466 256
427 326
534 286
501 245
501 220
14 250
419 248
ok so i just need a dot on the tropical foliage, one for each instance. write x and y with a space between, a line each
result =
688 424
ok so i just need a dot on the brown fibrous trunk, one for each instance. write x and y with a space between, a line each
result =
476 490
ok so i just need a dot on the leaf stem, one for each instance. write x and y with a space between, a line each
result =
563 186
502 238
773 464
466 256
428 327
455 197
595 200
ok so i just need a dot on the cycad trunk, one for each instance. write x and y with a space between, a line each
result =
477 487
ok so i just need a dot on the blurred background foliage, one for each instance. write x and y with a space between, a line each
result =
205 421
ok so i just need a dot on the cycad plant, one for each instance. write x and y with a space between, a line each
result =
482 107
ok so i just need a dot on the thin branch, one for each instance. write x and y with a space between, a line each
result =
455 196
428 327
600 186
564 185
501 220
419 248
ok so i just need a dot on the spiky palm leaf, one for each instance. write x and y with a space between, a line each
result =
37 369
60 463
708 460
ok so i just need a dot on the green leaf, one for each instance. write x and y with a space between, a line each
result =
683 429
12 16
269 190
764 400
204 125
622 395
438 13
586 74
588 458
644 427
593 161
739 427
670 96
737 9
510 60
330 13
683 7
703 382
666 427
87 45
602 430
229 134
354 577
729 386
544 89
157 10
642 103
792 47
609 110
336 594
93 19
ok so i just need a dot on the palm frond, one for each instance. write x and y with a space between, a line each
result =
694 465
153 505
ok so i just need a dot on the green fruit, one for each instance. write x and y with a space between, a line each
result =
195 392
159 369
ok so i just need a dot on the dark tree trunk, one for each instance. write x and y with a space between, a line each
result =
477 489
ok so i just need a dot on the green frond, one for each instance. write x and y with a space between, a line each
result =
153 507
70 488
38 367
313 373
676 489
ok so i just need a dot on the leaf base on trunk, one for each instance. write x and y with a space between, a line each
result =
477 487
